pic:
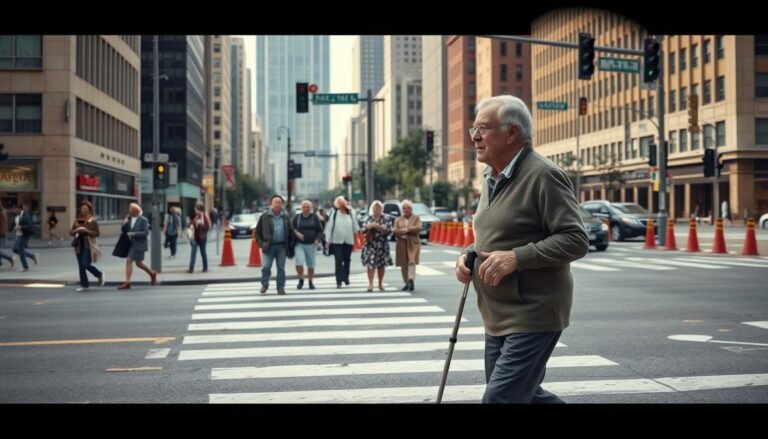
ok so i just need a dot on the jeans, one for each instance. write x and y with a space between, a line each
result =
193 255
276 252
84 264
19 247
171 239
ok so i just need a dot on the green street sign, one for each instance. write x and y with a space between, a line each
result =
552 105
619 65
334 98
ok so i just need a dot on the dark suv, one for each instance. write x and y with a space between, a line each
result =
627 219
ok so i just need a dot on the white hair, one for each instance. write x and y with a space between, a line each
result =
374 204
306 202
511 111
136 205
341 201
407 203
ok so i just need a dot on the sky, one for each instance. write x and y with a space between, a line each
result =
341 77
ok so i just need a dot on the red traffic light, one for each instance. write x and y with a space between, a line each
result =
313 88
582 106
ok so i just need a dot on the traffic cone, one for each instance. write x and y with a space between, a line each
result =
451 233
432 230
607 223
442 232
693 240
718 247
255 259
459 241
650 237
470 236
671 243
227 255
750 241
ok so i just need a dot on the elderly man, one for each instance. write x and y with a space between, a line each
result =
273 233
307 228
528 230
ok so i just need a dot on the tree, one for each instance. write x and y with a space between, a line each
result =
248 192
568 163
445 194
610 175
404 167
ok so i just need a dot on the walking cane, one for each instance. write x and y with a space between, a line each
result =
470 263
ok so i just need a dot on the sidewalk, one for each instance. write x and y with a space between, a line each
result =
58 265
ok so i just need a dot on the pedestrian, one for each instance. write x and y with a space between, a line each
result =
408 248
340 233
171 229
23 229
136 226
307 229
726 213
198 237
85 231
323 216
52 222
527 232
273 233
3 234
376 255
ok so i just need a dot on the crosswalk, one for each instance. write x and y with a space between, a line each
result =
332 345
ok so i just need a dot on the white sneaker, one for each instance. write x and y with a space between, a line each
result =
81 289
103 279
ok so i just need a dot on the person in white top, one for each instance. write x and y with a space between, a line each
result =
340 234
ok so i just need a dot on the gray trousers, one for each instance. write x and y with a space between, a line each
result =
514 368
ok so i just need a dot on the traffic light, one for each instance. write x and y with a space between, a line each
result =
3 154
651 57
290 169
586 56
302 97
709 162
693 113
652 154
160 176
347 178
429 141
582 106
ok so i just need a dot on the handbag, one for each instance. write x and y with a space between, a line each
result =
74 241
122 247
191 233
369 234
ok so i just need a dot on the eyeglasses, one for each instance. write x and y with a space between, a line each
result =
483 129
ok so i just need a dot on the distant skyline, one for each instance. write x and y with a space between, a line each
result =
341 80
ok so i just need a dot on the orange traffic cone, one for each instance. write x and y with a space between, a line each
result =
432 230
255 259
227 255
470 236
671 243
650 237
451 234
607 223
750 241
441 234
459 241
693 240
719 245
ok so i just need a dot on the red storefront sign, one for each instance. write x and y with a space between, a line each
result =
88 183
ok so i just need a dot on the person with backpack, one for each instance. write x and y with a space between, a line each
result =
307 228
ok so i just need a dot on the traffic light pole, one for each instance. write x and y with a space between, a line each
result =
156 254
662 147
369 190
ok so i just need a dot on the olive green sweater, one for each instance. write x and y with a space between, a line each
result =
534 213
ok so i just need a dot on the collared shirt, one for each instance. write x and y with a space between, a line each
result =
133 221
278 228
18 218
505 173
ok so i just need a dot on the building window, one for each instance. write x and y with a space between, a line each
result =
707 92
672 142
694 56
217 91
21 113
671 63
683 140
709 132
471 112
217 77
471 44
761 131
761 84
720 89
695 141
650 106
672 101
683 60
719 47
503 49
683 98
503 72
707 51
217 106
720 133
21 51
471 66
217 62
761 44
519 72
519 50
217 48
217 120
217 134
471 88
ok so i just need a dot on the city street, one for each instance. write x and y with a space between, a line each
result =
647 327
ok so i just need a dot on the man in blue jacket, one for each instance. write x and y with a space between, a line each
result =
23 228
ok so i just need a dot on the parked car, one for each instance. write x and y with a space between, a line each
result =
445 214
763 222
242 224
627 220
597 230
395 209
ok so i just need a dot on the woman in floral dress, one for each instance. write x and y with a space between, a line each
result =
376 249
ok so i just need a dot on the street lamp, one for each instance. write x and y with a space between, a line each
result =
280 129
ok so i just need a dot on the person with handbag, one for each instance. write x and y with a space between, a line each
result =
85 230
3 233
273 233
376 255
198 237
307 229
136 227
340 230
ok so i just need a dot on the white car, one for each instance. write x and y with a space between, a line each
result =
763 222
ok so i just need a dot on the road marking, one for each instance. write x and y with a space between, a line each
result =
33 285
593 267
155 340
452 252
390 367
316 312
678 263
475 392
135 369
763 325
692 321
631 264
299 293
328 335
263 297
356 302
423 270
722 261
708 339
155 354
39 302
360 321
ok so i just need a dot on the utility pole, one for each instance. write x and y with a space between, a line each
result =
662 155
369 192
156 254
